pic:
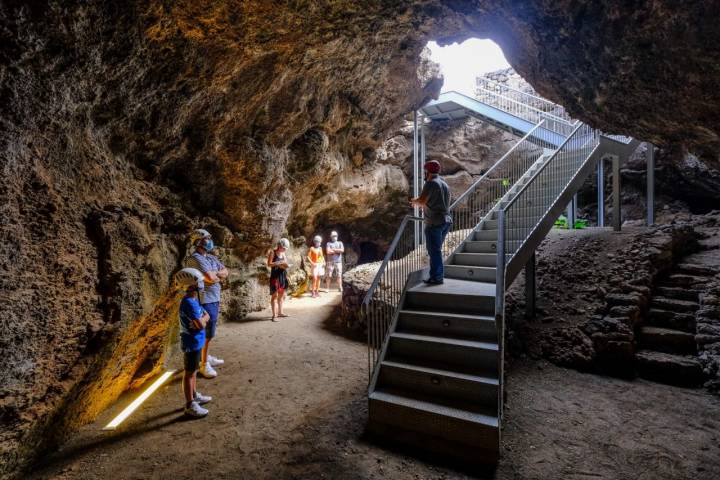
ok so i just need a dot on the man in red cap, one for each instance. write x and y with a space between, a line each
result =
435 200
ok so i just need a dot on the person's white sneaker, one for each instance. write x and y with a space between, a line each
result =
202 399
215 361
207 371
195 410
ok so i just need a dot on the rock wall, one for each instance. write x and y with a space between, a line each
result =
124 126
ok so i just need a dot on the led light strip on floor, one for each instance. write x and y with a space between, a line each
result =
139 401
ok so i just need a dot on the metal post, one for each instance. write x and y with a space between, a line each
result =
571 212
530 287
421 164
650 200
574 209
601 192
617 215
416 178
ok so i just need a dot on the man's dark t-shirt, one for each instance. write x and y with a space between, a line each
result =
438 201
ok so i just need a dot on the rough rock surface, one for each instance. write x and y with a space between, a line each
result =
465 149
125 125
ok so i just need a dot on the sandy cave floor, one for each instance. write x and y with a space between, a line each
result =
289 403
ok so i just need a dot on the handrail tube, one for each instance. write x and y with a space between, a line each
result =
507 87
529 107
502 85
495 165
388 256
542 167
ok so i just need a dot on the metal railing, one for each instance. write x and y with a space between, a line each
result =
382 298
530 99
402 258
524 105
534 199
526 209
481 197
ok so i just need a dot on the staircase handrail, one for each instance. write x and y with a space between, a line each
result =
526 111
543 167
486 175
536 98
388 256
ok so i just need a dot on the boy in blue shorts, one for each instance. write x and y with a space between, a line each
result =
193 320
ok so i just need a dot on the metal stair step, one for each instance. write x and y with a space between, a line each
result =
466 356
469 327
453 424
667 340
485 235
470 272
527 212
477 259
479 246
446 387
453 296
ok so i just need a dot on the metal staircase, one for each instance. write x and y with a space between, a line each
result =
435 353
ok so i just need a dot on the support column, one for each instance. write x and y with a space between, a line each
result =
601 192
650 198
530 287
416 178
617 215
421 164
572 212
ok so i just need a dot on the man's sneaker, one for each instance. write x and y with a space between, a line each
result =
215 361
195 410
201 399
207 371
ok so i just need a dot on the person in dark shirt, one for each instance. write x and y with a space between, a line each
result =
435 200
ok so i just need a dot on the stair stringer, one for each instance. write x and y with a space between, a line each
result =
546 222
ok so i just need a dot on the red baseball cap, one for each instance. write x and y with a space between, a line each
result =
433 166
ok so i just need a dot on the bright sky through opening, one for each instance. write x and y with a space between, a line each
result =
461 63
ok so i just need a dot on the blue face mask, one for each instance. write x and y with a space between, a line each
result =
208 244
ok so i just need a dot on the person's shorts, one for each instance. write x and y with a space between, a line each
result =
318 271
213 309
192 360
334 267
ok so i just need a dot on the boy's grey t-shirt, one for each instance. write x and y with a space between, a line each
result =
207 263
335 257
438 201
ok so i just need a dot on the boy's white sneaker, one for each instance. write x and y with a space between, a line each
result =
195 410
215 361
207 371
202 399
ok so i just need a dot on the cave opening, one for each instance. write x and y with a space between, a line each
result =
461 63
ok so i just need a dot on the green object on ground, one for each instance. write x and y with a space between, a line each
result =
562 222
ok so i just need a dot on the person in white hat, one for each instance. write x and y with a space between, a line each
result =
278 262
316 259
334 250
214 272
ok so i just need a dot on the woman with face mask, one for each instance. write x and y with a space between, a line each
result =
316 260
277 261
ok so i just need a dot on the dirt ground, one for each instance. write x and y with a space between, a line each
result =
289 404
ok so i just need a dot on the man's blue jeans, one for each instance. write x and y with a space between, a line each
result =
434 238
